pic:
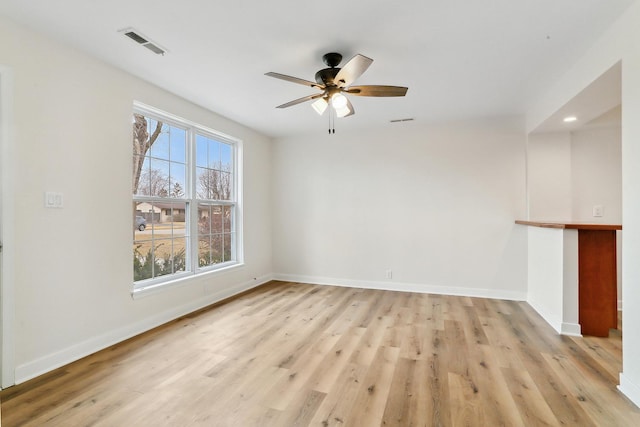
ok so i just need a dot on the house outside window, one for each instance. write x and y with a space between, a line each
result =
186 196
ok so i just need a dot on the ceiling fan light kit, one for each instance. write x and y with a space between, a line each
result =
334 83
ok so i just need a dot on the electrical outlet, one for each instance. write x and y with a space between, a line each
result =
389 274
598 211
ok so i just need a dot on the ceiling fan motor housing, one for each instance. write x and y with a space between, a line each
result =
326 76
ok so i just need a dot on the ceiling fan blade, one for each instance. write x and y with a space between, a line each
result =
300 100
377 90
294 80
352 70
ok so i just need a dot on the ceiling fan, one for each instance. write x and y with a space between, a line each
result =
334 82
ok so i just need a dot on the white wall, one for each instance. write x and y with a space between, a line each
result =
568 173
545 274
435 204
72 269
553 277
621 42
549 176
596 174
630 377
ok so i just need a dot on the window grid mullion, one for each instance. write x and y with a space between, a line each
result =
193 205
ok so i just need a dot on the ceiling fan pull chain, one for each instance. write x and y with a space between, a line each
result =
333 119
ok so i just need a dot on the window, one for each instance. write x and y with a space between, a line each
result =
185 198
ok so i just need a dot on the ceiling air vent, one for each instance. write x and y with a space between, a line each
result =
410 119
144 41
152 47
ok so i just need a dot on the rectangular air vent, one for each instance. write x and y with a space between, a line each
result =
136 37
144 41
410 119
152 47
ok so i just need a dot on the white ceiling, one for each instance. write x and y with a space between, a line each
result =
460 59
596 105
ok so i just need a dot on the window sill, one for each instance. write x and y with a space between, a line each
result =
183 280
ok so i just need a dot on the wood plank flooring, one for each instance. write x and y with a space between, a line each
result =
290 354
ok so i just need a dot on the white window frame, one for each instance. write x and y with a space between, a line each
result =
146 286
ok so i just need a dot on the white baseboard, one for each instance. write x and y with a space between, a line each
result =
554 321
629 389
404 287
65 356
571 329
563 328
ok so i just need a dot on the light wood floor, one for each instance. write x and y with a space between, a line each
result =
291 354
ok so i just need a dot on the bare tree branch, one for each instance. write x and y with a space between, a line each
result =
142 142
214 184
156 183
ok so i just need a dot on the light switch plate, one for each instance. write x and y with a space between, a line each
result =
53 200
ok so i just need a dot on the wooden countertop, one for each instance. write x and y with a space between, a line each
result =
571 225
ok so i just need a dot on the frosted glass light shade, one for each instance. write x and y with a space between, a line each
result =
343 111
338 101
320 105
